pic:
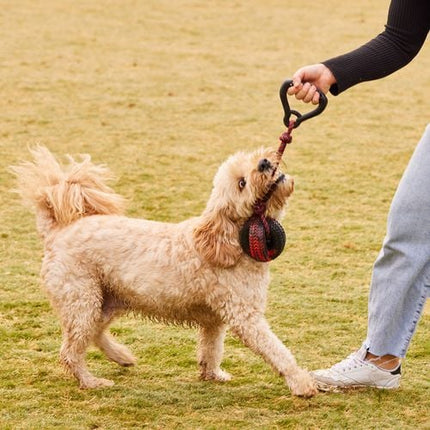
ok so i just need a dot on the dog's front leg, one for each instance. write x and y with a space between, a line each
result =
254 331
210 352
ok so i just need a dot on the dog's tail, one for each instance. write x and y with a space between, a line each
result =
61 195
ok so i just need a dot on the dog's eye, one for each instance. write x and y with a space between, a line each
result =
242 183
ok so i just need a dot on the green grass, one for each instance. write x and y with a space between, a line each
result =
163 92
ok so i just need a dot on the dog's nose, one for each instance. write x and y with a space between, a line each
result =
264 164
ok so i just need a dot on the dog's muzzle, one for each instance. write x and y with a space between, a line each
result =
264 164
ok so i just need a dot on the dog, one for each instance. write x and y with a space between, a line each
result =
99 264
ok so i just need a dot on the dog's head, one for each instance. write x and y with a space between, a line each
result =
240 181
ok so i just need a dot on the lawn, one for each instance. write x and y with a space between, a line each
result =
162 92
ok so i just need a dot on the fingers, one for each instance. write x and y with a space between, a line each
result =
297 83
307 92
304 91
306 81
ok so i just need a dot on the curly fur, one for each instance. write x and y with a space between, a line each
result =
99 264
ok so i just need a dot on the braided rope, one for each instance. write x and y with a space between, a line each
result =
285 139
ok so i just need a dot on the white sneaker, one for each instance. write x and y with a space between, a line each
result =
354 372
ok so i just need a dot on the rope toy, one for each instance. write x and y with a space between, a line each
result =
261 237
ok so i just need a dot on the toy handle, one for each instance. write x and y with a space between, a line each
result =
299 117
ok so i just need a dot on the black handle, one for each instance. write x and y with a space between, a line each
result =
299 117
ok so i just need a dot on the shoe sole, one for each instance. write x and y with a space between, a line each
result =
321 386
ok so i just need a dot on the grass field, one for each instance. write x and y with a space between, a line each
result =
163 91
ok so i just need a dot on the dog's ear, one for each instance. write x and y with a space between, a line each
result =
216 239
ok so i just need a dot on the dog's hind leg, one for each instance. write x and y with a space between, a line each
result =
80 312
210 352
254 331
114 351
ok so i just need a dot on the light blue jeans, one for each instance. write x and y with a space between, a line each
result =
401 274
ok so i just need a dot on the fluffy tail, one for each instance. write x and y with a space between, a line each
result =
61 195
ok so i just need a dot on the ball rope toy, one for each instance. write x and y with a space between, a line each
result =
262 237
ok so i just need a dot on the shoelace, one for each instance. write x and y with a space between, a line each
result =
353 362
348 363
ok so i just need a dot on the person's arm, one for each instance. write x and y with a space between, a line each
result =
405 32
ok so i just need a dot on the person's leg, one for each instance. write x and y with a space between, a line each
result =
401 274
400 284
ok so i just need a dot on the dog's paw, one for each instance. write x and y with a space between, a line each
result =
222 376
216 375
118 353
125 359
302 384
95 383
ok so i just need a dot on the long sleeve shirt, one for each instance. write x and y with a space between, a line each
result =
407 27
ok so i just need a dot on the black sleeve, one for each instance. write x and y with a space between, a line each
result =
405 32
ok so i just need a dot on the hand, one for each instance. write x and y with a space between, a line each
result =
306 81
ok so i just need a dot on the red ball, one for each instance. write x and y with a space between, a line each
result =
262 238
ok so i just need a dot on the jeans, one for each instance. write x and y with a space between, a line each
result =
401 274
